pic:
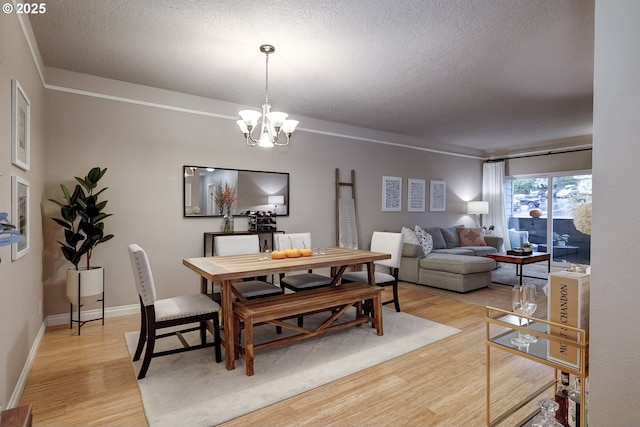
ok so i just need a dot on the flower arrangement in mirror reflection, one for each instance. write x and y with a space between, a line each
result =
225 196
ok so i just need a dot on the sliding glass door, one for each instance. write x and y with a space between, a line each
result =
540 211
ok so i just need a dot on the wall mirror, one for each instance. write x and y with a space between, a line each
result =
256 191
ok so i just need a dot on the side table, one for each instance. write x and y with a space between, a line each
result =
521 260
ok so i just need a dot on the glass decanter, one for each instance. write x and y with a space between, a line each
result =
547 415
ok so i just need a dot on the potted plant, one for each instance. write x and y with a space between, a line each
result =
82 219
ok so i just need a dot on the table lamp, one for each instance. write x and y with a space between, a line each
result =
478 208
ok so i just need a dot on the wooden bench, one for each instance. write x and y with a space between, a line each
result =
276 309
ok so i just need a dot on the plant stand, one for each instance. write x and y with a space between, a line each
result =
93 283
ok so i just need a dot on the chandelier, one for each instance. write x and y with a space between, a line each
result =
272 122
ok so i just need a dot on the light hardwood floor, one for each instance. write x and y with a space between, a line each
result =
88 380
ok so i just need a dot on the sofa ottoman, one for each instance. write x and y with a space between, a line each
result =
457 273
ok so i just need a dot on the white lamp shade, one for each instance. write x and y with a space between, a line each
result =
478 207
277 119
243 126
275 200
250 117
289 126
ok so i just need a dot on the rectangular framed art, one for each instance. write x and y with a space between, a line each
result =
438 196
416 189
20 215
20 126
391 194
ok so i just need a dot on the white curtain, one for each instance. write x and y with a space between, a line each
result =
493 192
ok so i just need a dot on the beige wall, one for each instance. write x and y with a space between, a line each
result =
144 149
20 280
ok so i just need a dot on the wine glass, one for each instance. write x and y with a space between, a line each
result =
529 304
517 305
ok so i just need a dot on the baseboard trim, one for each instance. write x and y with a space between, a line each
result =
26 369
124 310
60 319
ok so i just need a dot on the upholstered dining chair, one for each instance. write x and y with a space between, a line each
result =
248 288
299 281
158 314
386 271
245 245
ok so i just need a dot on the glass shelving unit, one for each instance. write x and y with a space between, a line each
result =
502 325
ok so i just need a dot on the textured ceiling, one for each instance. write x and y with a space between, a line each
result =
492 76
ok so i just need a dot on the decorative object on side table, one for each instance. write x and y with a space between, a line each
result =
225 196
525 250
82 219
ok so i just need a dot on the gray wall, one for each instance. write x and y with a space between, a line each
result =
144 148
20 280
615 294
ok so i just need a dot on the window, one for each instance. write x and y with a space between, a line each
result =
543 206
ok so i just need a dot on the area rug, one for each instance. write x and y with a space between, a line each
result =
191 389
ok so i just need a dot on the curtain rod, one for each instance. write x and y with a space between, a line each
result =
501 159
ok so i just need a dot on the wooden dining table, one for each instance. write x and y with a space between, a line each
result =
227 269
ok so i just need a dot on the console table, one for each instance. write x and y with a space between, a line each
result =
210 236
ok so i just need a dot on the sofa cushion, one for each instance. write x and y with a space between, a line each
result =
436 236
471 237
457 264
482 250
451 236
426 241
412 251
456 251
409 236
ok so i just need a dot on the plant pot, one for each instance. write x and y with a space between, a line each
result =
89 283
561 243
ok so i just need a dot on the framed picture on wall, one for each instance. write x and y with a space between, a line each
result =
20 215
438 196
20 126
416 190
391 194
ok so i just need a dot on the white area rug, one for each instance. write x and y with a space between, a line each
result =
191 389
